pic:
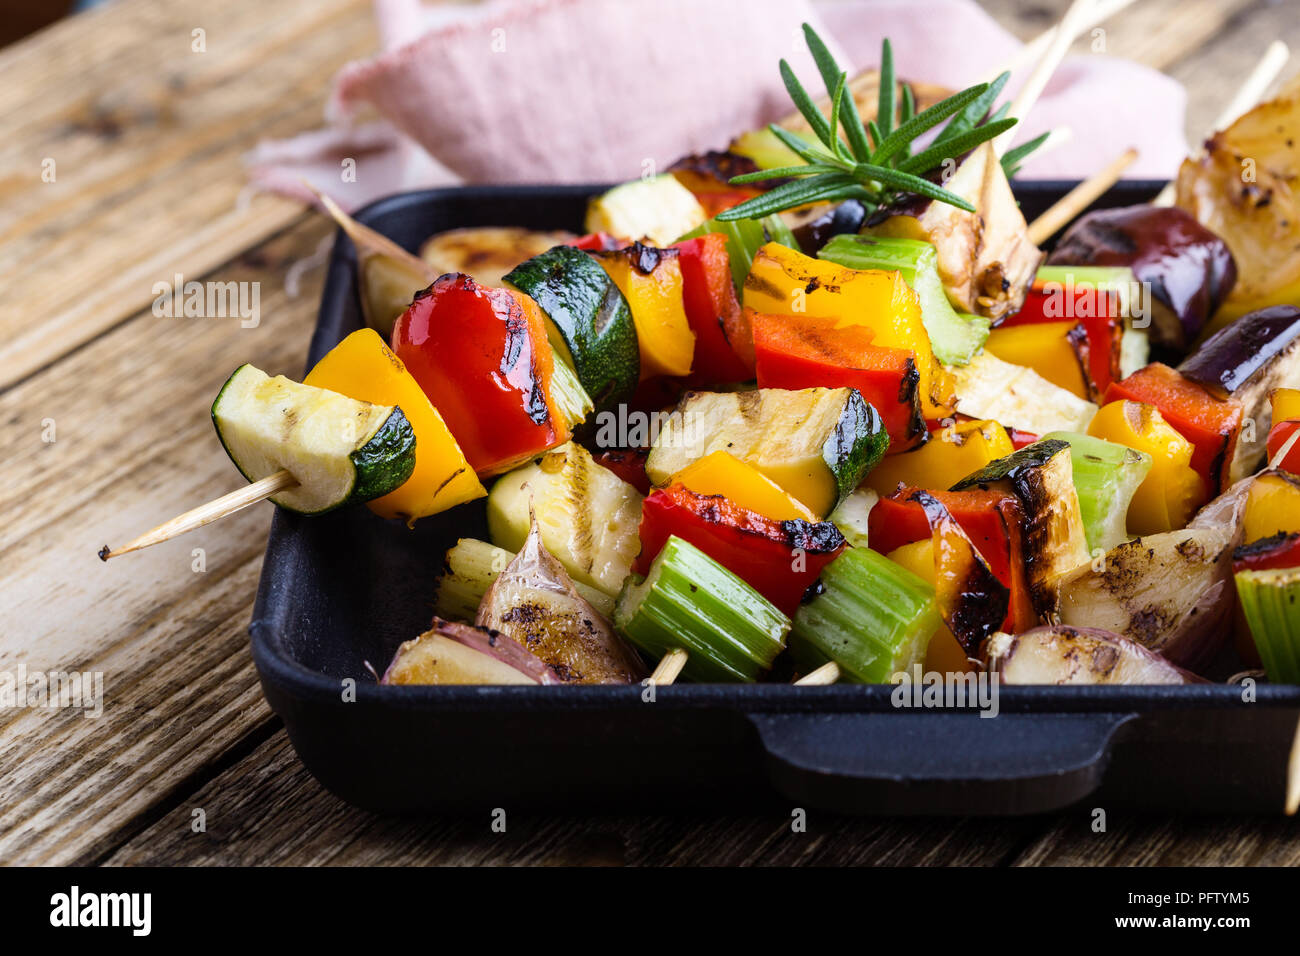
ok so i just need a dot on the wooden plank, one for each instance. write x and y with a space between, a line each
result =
267 810
147 138
1208 45
133 443
1150 840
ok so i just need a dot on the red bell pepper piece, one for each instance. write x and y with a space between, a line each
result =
779 559
628 464
482 357
1097 333
1278 436
1281 550
1209 423
709 296
991 520
596 242
799 351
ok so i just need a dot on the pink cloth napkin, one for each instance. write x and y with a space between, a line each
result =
594 90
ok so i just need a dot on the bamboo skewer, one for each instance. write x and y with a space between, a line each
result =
1250 92
828 673
1072 24
669 667
206 513
1063 211
1033 51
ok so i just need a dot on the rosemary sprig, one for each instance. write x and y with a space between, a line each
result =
875 163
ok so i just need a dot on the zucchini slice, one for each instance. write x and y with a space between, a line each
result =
588 516
1041 475
339 449
816 443
589 322
659 209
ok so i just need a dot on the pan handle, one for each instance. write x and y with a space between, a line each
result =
937 762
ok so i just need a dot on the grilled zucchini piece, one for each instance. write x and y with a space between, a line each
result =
589 322
1041 476
587 515
816 443
486 253
339 449
659 209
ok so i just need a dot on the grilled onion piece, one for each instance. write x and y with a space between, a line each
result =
1078 655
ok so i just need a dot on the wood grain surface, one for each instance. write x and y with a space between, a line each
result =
147 138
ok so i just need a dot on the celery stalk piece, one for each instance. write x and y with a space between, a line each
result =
1117 279
1106 475
744 236
572 402
955 337
472 566
851 515
729 631
1271 602
874 618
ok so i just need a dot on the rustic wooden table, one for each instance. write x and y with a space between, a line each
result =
146 136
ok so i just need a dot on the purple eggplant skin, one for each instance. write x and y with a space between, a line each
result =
820 225
1190 270
1242 363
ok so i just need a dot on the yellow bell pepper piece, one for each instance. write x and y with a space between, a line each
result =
782 281
1286 404
943 655
651 281
364 368
1172 490
1046 348
951 454
722 473
1272 506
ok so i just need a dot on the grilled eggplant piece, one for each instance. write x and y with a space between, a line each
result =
486 253
1041 477
534 602
1242 363
1190 270
814 226
986 259
1169 592
1078 655
972 601
453 653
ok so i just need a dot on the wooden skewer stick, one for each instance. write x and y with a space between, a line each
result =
1079 198
206 514
1033 51
1293 776
1265 72
669 667
1285 449
828 673
1071 25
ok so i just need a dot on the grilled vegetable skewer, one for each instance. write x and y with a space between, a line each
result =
308 449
